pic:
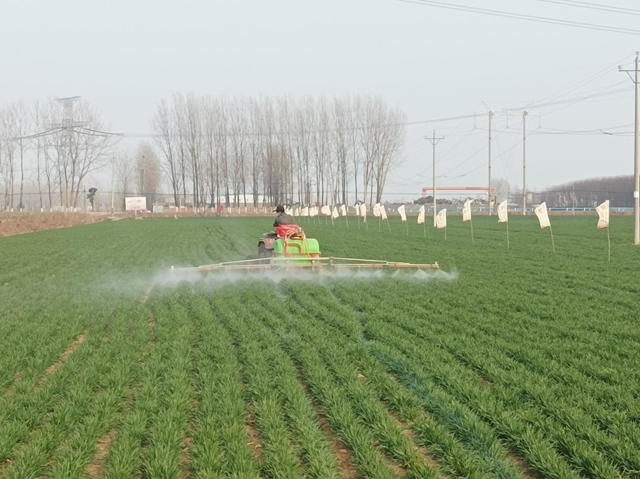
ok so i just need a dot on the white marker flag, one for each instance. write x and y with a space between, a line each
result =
288 210
543 215
503 217
402 213
313 211
296 212
441 219
326 210
363 212
343 210
603 215
383 212
421 215
305 211
503 213
466 211
376 210
357 210
334 213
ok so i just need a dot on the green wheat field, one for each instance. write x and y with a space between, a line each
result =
509 364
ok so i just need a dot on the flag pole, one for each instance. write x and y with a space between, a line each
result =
406 223
553 243
379 224
609 243
346 216
389 225
424 227
445 232
507 235
473 241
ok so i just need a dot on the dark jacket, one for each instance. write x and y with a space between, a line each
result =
284 219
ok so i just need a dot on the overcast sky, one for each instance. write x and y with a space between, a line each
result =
124 56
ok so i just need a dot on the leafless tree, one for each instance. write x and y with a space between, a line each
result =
256 146
590 192
125 175
281 149
147 169
7 157
78 151
390 139
238 131
164 127
502 189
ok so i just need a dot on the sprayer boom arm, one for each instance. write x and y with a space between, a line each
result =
310 264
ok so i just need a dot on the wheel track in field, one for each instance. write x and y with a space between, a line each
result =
252 427
344 463
17 378
64 438
45 419
602 447
520 463
151 322
405 427
64 357
186 469
342 452
390 462
515 457
95 469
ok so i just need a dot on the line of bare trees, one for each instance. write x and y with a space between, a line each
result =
42 147
284 150
591 192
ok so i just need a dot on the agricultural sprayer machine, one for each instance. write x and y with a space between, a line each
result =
289 249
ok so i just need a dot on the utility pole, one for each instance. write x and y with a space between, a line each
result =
434 141
524 163
113 174
636 162
489 185
141 181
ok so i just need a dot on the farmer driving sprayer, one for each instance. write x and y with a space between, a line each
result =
283 218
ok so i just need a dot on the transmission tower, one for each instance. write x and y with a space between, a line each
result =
68 123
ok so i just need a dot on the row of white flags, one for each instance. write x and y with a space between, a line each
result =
379 210
543 215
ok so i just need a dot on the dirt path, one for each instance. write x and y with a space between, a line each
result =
19 223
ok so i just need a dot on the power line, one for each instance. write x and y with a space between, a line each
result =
599 93
576 86
594 6
520 16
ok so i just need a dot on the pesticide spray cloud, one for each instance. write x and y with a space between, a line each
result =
322 277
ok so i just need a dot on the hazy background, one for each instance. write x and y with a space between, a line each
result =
124 56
